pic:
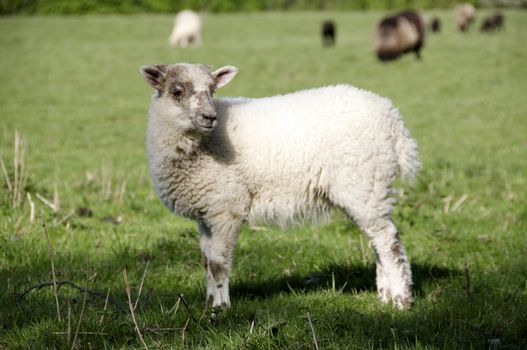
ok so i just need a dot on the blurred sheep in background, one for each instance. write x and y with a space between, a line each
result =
492 23
187 30
328 33
465 15
435 25
398 34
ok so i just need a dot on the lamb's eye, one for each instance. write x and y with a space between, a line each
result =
176 91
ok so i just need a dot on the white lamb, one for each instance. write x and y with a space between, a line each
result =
187 30
228 161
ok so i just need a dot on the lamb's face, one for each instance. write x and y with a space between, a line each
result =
184 92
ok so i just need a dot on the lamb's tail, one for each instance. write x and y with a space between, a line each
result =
406 149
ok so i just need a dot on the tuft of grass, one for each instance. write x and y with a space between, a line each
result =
71 86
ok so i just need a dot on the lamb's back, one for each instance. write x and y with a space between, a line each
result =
302 130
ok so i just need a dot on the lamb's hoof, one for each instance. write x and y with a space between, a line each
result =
215 317
217 313
402 303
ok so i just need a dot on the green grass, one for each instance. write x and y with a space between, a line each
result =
71 87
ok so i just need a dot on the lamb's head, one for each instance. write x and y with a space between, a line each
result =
184 93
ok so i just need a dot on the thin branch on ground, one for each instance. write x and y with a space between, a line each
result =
187 307
131 307
70 284
52 254
315 344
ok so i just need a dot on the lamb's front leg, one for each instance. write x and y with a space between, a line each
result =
217 244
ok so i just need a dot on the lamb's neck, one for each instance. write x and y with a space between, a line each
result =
171 143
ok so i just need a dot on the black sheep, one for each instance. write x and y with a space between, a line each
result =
435 25
492 23
328 33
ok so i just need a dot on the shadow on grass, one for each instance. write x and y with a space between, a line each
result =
345 278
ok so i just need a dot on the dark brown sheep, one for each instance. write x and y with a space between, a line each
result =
398 34
329 33
492 23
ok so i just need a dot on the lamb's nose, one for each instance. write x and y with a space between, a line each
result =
209 116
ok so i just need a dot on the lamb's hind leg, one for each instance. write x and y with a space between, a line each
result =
371 209
394 276
217 245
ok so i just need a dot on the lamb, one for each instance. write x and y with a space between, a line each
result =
492 23
227 161
398 34
328 33
187 30
465 15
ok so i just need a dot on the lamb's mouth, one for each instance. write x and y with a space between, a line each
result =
207 128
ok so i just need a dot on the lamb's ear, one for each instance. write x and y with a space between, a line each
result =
154 75
224 75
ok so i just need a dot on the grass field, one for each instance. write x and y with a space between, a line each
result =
71 89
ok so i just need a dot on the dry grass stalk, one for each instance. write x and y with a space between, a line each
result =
315 344
56 199
15 168
183 331
106 183
447 200
16 186
111 188
69 321
52 254
46 202
131 307
81 333
65 218
175 307
32 209
141 286
19 169
459 202
80 319
105 306
121 192
6 175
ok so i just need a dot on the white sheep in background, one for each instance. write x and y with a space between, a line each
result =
465 15
228 161
187 29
